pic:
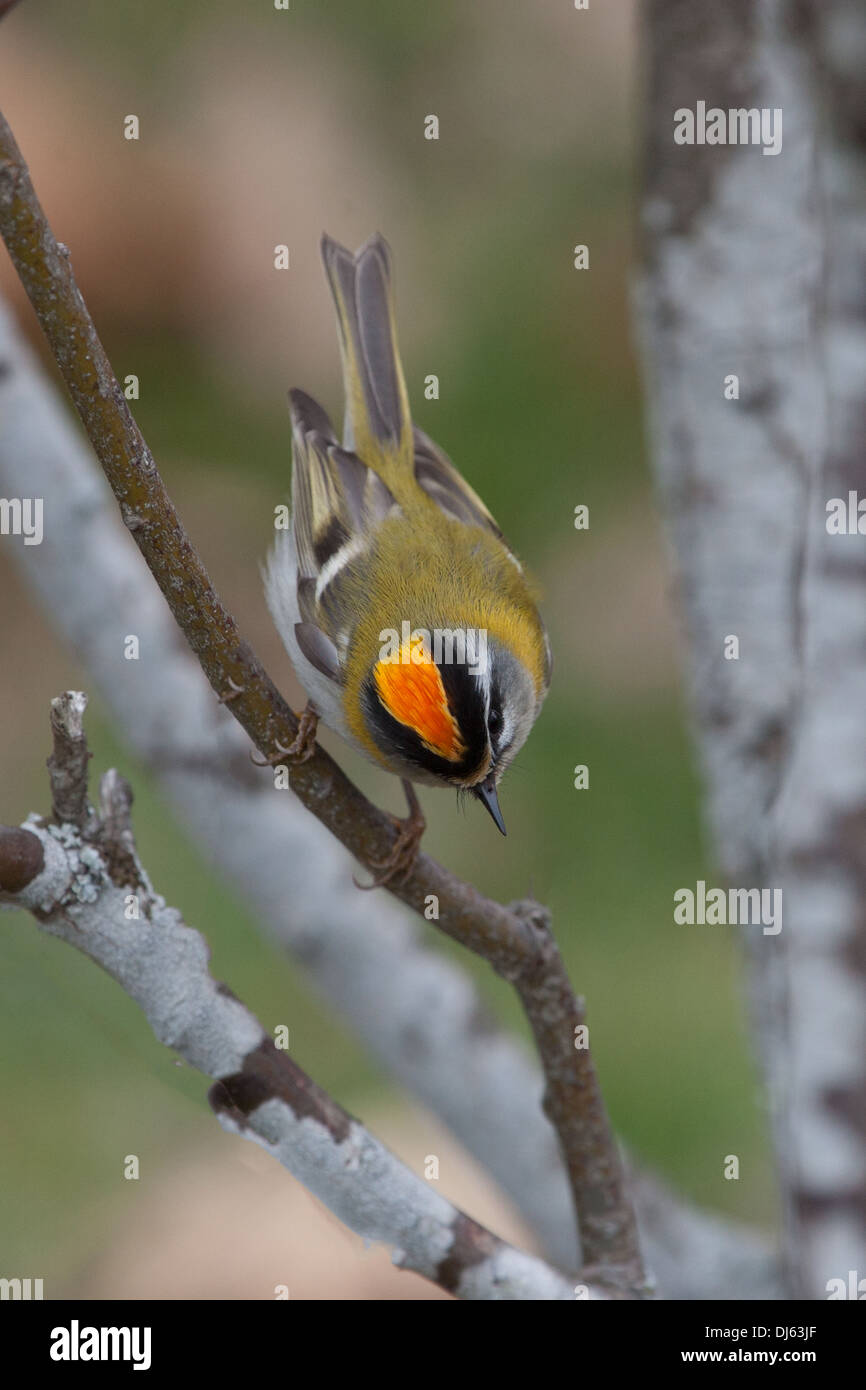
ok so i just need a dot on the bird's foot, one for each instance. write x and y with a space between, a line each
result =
302 746
400 860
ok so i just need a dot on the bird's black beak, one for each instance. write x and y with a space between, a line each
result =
486 792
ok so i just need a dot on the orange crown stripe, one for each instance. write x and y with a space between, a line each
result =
412 692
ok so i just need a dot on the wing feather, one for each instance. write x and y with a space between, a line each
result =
337 502
436 474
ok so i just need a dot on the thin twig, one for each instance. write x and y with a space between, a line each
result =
504 938
574 1104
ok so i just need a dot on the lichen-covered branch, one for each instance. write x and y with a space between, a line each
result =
84 884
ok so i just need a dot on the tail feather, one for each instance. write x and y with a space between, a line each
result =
377 405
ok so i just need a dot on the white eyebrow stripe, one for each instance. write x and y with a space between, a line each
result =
336 562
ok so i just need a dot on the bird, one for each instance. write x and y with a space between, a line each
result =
409 621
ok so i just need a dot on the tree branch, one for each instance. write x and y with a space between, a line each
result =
68 876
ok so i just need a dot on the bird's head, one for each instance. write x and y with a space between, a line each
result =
451 709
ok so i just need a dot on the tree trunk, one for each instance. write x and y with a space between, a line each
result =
753 268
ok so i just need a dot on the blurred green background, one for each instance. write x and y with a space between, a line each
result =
261 127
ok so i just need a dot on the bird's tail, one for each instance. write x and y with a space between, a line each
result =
378 426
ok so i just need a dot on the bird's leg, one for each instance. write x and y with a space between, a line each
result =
404 851
302 746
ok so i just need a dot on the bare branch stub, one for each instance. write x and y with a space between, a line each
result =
21 858
67 765
116 839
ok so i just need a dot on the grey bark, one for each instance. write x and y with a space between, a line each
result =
754 266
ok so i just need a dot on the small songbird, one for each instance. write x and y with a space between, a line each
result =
409 622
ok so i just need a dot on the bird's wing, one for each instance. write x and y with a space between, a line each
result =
436 474
337 502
